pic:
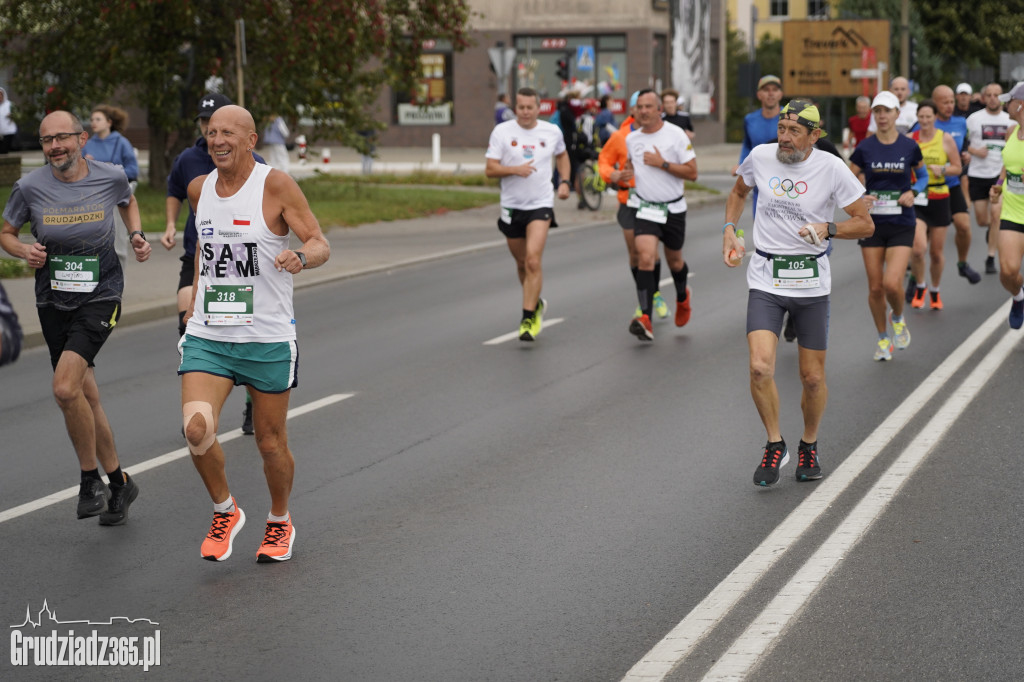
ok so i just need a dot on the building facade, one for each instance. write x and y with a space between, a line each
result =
558 47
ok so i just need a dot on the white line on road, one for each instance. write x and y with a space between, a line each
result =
68 493
515 335
744 653
684 637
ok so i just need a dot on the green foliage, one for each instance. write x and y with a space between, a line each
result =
10 268
332 57
768 54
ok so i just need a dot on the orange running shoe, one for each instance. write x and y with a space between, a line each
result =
936 300
641 328
277 543
918 300
683 309
225 526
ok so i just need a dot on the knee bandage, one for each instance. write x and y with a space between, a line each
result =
205 410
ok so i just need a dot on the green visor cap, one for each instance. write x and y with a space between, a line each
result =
804 113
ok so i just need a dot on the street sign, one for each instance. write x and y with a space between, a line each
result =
585 58
820 57
502 59
864 73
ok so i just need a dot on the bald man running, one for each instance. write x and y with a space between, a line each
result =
240 325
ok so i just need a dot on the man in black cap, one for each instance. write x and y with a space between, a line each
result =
189 165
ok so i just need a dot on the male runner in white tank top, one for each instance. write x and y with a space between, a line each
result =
240 326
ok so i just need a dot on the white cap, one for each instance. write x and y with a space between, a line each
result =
1016 92
886 99
964 88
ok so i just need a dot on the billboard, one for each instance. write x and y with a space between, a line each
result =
834 58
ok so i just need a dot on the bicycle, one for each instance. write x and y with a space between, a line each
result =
592 185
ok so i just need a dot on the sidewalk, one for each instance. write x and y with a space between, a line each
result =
150 287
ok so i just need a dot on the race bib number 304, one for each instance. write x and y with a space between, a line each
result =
795 272
228 304
80 274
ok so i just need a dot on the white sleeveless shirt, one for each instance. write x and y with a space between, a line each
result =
240 295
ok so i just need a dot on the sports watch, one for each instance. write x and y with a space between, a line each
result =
831 230
302 258
664 165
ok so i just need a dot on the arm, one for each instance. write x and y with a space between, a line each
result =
34 254
858 226
494 169
132 220
564 171
293 213
733 210
172 209
128 160
954 166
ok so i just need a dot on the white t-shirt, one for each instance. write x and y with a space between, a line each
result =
652 183
513 145
790 195
985 129
904 122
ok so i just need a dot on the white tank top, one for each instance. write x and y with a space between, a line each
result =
240 295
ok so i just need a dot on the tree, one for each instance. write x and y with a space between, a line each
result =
332 58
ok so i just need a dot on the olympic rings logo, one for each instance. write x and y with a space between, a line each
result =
786 187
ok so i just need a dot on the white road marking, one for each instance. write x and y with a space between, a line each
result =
684 637
515 335
68 493
762 633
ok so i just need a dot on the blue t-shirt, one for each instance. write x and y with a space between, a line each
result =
115 149
757 130
887 167
189 165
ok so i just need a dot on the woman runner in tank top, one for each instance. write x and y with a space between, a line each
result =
885 163
1011 225
942 160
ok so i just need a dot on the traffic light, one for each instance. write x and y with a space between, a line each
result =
562 72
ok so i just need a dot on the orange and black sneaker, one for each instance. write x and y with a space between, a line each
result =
936 300
807 466
918 300
218 543
642 328
683 309
776 455
278 542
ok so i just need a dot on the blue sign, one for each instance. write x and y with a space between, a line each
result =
585 58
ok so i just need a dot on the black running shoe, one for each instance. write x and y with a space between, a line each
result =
990 266
789 331
92 497
121 497
775 457
968 272
807 466
908 295
247 420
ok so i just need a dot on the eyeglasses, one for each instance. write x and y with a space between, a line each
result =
60 137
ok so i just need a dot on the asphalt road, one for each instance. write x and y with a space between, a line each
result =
551 511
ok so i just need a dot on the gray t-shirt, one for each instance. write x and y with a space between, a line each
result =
75 222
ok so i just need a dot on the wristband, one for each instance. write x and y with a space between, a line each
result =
564 182
732 225
131 235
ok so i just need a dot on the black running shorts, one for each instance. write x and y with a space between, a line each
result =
83 330
672 233
519 219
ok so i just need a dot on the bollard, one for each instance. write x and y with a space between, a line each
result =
435 146
326 155
300 142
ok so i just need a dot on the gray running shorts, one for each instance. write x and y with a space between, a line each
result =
810 316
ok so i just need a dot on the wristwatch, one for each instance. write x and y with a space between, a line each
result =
664 165
131 235
302 258
831 230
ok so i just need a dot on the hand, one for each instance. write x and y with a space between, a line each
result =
869 200
287 260
906 199
169 237
653 158
36 256
142 248
563 190
730 246
525 170
937 170
809 233
995 192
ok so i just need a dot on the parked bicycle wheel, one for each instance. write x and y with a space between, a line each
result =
591 185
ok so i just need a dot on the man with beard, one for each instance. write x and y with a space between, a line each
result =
70 204
800 188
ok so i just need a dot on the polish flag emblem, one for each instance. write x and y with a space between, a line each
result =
241 221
